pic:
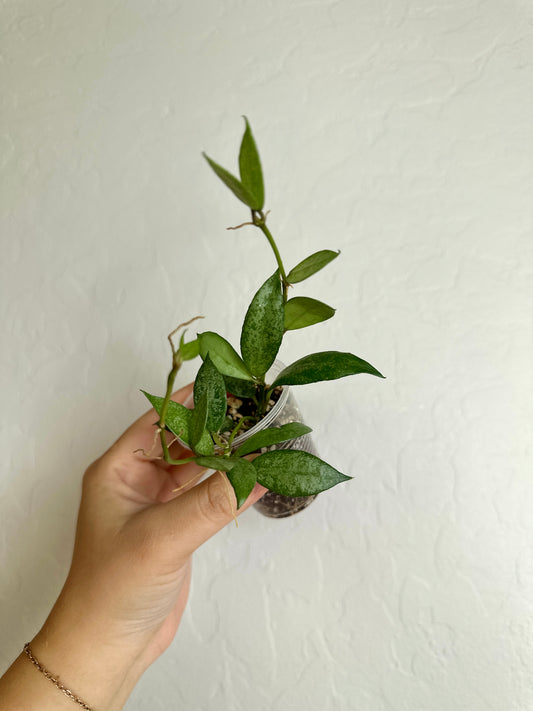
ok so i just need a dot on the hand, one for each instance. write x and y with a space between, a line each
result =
129 580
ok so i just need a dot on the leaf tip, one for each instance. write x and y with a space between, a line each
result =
209 161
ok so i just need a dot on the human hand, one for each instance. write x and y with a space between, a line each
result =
129 580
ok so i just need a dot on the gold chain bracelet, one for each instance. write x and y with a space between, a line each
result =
53 679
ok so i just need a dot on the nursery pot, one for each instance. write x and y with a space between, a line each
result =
284 411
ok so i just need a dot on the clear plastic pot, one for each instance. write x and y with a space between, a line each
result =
285 410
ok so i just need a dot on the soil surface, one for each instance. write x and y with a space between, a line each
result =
277 506
246 407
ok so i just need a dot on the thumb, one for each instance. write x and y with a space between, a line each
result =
204 510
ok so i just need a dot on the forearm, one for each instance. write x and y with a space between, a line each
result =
80 656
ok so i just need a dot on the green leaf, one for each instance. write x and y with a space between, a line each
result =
240 388
236 187
243 478
262 330
197 425
272 435
240 472
219 464
311 265
211 383
328 365
301 311
178 416
223 355
190 350
250 168
178 421
291 472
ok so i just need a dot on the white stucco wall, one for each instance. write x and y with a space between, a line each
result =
398 131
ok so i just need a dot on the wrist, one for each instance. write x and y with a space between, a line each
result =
88 655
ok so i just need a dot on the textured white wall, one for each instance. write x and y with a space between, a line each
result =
395 130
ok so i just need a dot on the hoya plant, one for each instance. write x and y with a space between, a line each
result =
233 391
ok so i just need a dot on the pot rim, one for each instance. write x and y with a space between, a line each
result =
276 367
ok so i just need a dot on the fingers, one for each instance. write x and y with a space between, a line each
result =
178 479
202 511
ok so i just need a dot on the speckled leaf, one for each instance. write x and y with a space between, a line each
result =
328 365
197 425
178 420
223 355
262 330
250 169
301 311
291 472
272 435
219 464
178 416
210 382
240 472
311 265
235 185
243 478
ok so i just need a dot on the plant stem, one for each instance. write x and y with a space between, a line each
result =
263 402
176 363
235 430
260 221
269 393
185 460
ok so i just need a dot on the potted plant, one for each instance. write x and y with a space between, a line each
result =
241 403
